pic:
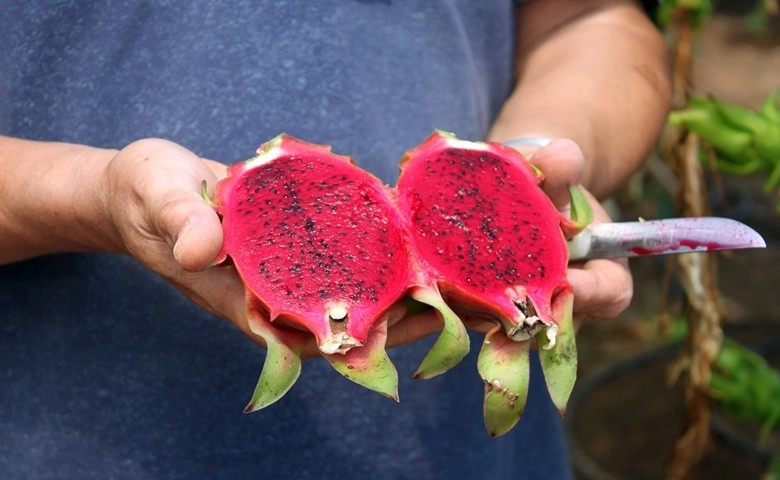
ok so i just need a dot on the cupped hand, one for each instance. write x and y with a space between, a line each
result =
151 192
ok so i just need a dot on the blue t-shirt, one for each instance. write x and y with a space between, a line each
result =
106 371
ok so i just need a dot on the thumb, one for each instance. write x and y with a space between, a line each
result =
562 163
198 236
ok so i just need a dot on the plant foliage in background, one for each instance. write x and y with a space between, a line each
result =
697 12
746 386
733 140
742 140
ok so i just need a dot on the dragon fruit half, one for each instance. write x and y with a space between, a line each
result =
326 251
495 246
322 251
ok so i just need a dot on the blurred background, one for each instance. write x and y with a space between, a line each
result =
685 384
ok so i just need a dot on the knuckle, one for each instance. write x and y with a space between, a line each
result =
620 301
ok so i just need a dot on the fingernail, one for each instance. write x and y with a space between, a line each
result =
177 244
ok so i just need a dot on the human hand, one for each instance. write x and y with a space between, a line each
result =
602 287
153 196
150 193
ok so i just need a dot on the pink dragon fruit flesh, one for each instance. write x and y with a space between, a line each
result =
329 254
495 247
322 250
318 244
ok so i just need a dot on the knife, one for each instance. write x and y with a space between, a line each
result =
662 237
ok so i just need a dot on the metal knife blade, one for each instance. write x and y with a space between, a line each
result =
661 237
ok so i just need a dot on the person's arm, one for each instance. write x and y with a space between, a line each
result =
48 199
593 75
60 197
594 72
143 200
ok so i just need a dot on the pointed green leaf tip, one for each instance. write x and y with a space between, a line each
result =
445 134
369 365
453 342
204 192
770 108
504 366
281 369
559 363
282 359
581 211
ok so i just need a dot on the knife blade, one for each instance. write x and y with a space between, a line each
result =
662 237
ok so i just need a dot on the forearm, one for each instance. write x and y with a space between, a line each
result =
599 78
50 199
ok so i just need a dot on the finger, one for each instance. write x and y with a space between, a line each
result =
200 238
162 181
562 164
602 288
199 233
187 222
413 327
218 169
218 290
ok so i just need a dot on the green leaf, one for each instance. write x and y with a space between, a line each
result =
741 118
281 369
282 360
204 193
773 179
770 109
453 342
504 365
732 142
581 211
559 361
369 365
